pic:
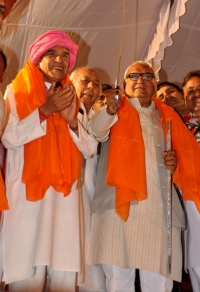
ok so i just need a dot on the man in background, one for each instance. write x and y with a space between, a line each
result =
191 89
101 99
172 95
87 86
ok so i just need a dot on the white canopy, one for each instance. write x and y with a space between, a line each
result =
96 25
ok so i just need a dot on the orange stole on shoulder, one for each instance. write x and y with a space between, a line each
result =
51 160
126 159
187 173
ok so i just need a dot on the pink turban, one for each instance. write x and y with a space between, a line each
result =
50 39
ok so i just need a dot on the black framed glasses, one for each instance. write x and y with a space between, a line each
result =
145 76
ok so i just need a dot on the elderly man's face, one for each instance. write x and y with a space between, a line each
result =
171 96
192 92
54 64
87 86
2 10
141 89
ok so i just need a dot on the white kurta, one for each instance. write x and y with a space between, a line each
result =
140 242
192 236
94 276
47 232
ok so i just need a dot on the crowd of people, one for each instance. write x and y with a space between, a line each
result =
90 185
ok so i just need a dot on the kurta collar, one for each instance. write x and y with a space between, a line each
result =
136 104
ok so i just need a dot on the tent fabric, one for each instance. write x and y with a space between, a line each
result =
168 24
95 25
184 55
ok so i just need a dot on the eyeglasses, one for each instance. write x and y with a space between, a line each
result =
145 76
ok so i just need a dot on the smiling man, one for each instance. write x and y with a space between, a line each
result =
42 231
172 95
191 89
128 229
87 85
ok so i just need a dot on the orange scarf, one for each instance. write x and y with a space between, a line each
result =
52 160
126 158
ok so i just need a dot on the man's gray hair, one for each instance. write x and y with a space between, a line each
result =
144 63
73 75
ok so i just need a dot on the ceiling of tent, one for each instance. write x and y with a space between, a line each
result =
184 55
96 25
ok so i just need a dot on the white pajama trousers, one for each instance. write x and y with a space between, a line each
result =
46 279
195 279
123 280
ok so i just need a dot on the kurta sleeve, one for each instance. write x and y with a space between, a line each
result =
85 142
100 124
18 133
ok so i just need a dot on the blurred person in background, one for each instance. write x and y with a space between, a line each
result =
172 95
191 89
101 99
87 85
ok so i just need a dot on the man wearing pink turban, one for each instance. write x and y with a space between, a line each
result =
42 234
50 39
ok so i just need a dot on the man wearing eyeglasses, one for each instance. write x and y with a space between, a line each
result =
129 210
